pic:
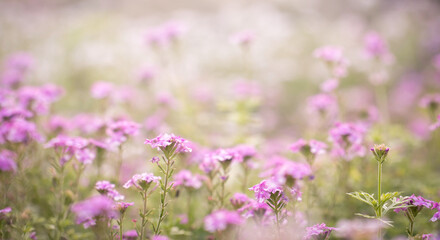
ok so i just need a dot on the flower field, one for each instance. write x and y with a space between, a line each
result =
265 120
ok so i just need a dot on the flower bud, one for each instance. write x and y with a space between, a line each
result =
380 152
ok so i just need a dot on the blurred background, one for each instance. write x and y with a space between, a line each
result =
222 73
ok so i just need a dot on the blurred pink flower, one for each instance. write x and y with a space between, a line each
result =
7 161
219 220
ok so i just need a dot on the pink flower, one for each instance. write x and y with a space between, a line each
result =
376 47
319 231
312 147
90 209
219 220
108 189
322 103
122 206
160 237
5 210
130 235
165 140
142 181
285 171
7 161
329 54
334 58
119 131
265 189
430 101
69 147
329 85
88 124
19 130
187 179
58 124
348 140
239 200
102 90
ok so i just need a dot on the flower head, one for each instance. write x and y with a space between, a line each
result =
265 189
319 232
122 206
219 220
187 179
239 200
142 181
7 161
108 189
168 142
380 152
89 210
348 140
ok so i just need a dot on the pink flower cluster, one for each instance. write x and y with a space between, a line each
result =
313 147
164 140
280 169
88 211
7 161
265 189
119 131
219 220
348 140
142 181
185 178
165 34
82 149
108 189
319 231
16 67
334 58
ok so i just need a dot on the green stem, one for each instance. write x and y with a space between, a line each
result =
163 196
120 225
144 212
379 194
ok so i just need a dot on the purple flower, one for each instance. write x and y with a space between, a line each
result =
108 189
322 103
142 181
7 161
122 206
376 47
334 58
285 171
187 179
92 208
415 203
348 140
19 130
427 236
130 235
430 101
265 189
239 200
59 124
160 237
319 232
5 210
88 124
245 151
119 131
102 90
155 159
219 220
313 147
164 140
68 147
